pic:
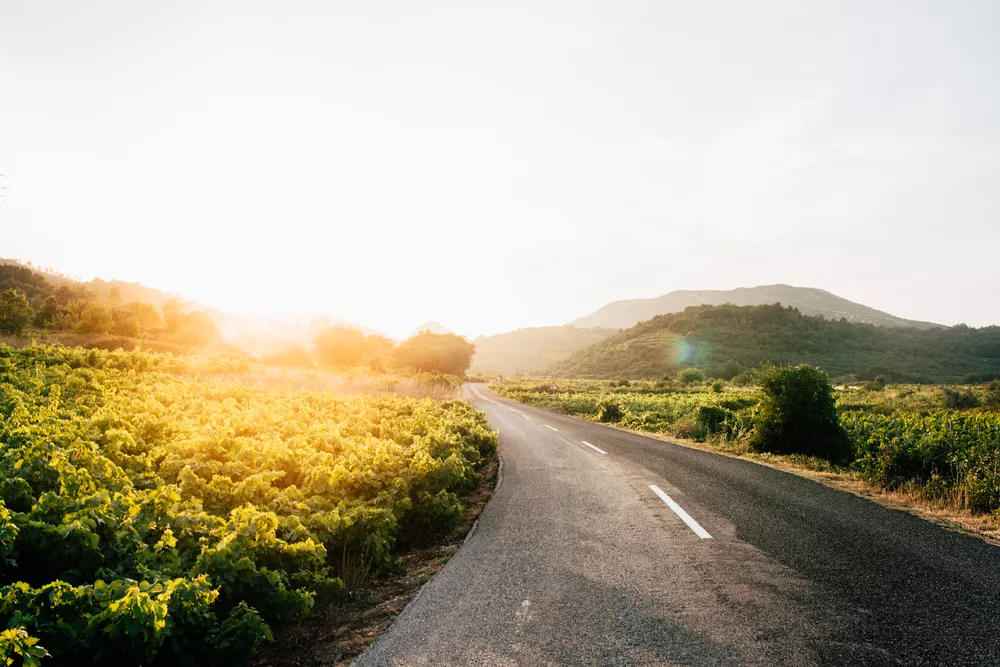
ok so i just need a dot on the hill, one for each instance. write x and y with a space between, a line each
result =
722 340
531 349
433 327
808 300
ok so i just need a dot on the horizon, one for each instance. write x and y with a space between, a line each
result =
419 326
509 168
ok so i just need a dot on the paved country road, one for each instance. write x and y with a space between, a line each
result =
579 560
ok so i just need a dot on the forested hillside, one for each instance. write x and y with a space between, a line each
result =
723 340
36 302
808 300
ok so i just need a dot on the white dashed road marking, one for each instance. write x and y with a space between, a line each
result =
679 511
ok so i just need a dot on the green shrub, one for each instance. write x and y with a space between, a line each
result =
717 386
956 399
797 414
711 418
610 411
690 375
992 398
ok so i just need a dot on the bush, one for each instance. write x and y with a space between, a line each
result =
711 418
717 386
956 399
690 375
797 414
610 411
992 398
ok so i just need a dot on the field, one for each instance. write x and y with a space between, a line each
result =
156 510
903 436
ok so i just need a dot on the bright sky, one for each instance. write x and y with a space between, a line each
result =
392 163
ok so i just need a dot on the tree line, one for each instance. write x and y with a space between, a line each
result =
29 301
345 346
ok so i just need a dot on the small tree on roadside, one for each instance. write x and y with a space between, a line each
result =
797 414
15 312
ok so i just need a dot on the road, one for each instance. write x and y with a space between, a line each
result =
602 547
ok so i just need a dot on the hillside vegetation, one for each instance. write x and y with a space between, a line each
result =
809 301
723 340
531 349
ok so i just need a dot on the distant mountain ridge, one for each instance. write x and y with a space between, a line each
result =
808 300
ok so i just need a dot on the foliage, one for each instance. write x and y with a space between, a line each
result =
722 339
349 346
98 308
992 397
957 399
183 326
690 376
436 353
94 317
610 410
797 414
148 517
15 312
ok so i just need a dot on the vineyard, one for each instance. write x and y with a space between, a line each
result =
152 517
902 436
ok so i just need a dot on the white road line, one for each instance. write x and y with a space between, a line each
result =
596 449
679 511
551 428
516 412
525 416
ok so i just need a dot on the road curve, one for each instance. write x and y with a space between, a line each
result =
606 548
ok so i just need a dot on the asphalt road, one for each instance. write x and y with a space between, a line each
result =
576 560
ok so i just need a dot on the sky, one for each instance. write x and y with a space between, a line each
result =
499 166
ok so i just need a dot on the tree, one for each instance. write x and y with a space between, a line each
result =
47 314
438 353
730 369
15 312
689 375
797 414
145 314
126 326
348 346
191 328
95 318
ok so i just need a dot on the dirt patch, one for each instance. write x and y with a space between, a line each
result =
337 631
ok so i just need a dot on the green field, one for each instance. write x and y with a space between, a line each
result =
157 511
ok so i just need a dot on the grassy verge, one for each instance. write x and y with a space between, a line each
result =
336 632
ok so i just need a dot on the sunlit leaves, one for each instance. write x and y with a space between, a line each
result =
146 514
